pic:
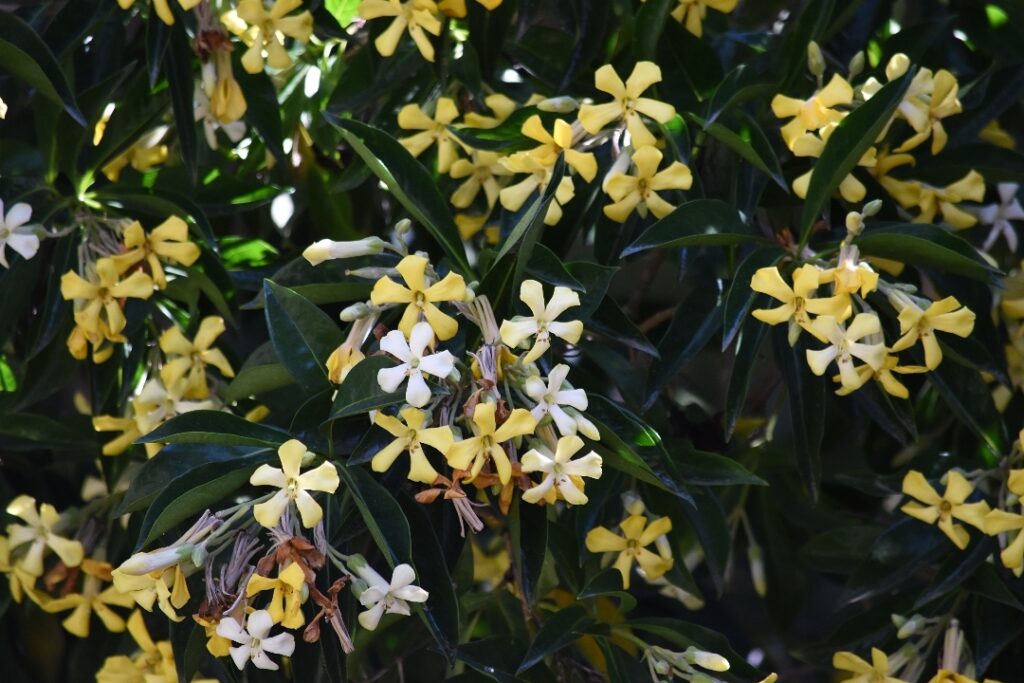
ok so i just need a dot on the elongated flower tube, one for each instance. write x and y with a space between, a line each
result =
485 444
326 250
293 486
627 103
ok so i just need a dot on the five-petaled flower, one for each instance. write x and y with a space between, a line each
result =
415 363
627 105
254 640
486 443
286 601
15 232
98 299
1002 521
946 315
187 360
875 671
432 131
387 597
844 344
419 16
814 113
542 323
946 508
563 476
410 435
797 301
266 30
640 192
294 486
421 300
631 546
38 534
168 241
550 398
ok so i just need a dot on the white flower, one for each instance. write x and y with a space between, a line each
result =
414 364
204 112
14 235
388 598
551 397
253 643
561 471
542 324
155 404
999 216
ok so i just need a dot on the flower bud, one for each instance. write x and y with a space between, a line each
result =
662 668
632 503
854 223
558 105
815 60
403 226
872 207
856 65
897 66
911 627
755 558
455 375
706 660
144 563
325 250
898 620
355 312
371 272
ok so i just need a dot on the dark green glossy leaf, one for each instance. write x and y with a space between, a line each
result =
748 347
701 222
410 183
25 55
215 426
303 335
381 514
608 583
257 379
702 468
182 83
806 399
360 392
560 629
845 147
528 525
682 635
750 143
929 246
528 230
547 267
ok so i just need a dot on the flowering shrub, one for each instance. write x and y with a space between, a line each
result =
511 340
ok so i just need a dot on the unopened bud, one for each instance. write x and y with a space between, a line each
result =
897 66
144 563
911 628
455 376
632 503
815 60
371 273
854 223
355 312
706 660
662 668
898 620
325 250
872 207
856 65
756 560
558 105
403 226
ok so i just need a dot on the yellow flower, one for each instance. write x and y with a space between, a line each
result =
434 131
481 171
485 444
514 196
563 476
1001 521
421 299
188 359
97 300
844 346
227 102
168 241
995 134
286 602
933 201
814 113
91 600
691 13
410 436
162 9
470 225
501 105
877 671
457 8
797 301
19 581
542 323
884 376
80 340
165 587
640 192
631 546
943 316
812 145
146 153
851 276
293 486
627 105
38 535
418 16
929 100
267 30
556 143
944 508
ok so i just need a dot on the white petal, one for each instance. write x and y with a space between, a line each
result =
402 576
260 623
562 299
438 364
420 338
26 245
371 617
394 343
232 630
261 661
587 466
535 388
19 214
577 398
240 656
411 594
566 424
390 379
417 393
281 644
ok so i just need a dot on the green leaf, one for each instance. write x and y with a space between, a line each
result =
845 147
360 392
215 426
633 447
895 557
381 514
748 346
970 399
202 487
303 335
651 20
188 642
957 568
560 629
257 379
181 80
929 246
740 298
26 431
702 468
682 634
171 462
700 222
528 525
343 10
546 266
507 136
409 181
806 399
24 54
750 143
608 584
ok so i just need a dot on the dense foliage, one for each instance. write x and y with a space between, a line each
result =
511 340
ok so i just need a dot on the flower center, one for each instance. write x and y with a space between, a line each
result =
293 488
945 507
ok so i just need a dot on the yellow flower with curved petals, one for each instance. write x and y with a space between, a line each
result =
640 192
38 535
420 17
691 13
844 344
485 444
514 196
421 299
946 315
877 671
165 587
286 601
481 172
628 103
631 546
797 301
946 508
267 29
168 242
97 300
188 359
92 600
558 142
294 486
434 130
162 8
410 435
814 113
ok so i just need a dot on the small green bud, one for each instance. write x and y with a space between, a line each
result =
856 65
815 60
872 207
